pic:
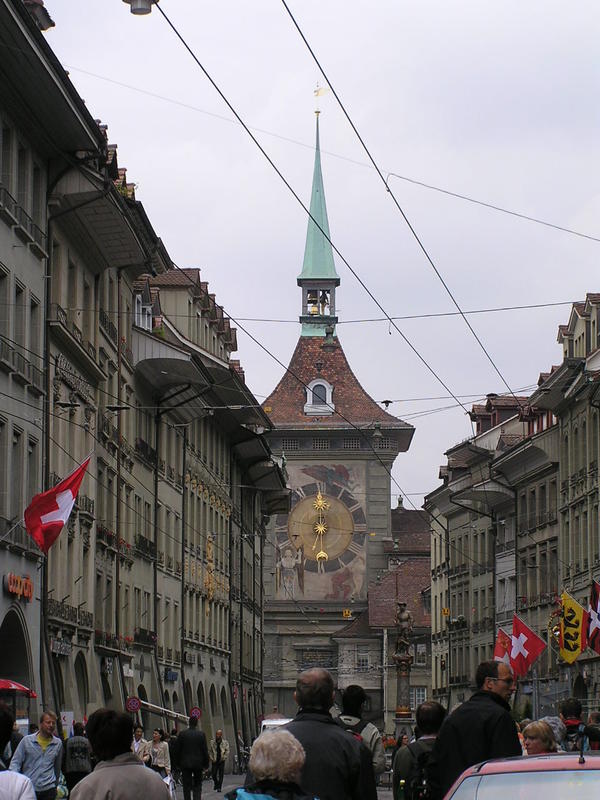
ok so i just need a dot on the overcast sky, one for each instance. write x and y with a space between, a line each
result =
495 100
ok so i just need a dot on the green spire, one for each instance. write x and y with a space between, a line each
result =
318 255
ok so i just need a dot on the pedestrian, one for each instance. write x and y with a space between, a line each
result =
172 753
119 775
39 756
594 719
538 738
15 738
157 754
409 764
139 744
354 698
13 786
191 757
78 757
276 761
479 729
337 766
218 752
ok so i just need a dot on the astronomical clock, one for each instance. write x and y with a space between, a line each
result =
321 548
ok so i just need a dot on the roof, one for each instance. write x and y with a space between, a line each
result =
358 628
508 440
188 277
318 253
411 530
311 360
549 762
405 583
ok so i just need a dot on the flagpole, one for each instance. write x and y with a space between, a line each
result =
10 530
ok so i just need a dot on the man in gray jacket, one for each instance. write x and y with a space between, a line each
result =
354 698
120 775
39 756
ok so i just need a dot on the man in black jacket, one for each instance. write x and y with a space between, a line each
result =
191 757
479 729
338 765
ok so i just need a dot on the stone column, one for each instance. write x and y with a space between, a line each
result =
403 661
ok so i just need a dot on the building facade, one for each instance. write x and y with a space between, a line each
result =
154 587
339 447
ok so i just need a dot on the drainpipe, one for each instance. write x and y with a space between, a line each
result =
245 733
155 571
118 494
182 628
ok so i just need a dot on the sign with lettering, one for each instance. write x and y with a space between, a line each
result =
61 647
18 586
71 377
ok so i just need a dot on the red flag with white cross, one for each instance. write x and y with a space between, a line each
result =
503 647
526 647
594 618
49 511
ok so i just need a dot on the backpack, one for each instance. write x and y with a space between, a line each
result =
356 729
416 785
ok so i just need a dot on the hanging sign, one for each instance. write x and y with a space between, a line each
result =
133 704
195 712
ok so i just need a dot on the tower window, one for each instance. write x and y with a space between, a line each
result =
319 398
319 394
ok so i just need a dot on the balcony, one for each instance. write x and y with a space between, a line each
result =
82 351
145 451
25 228
108 327
85 505
8 206
62 611
17 538
105 536
106 639
145 547
85 619
22 370
144 637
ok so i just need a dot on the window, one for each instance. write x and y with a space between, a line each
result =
418 695
352 443
362 658
319 398
320 444
290 444
420 654
7 158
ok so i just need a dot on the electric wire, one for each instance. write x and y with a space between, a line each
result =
303 206
397 204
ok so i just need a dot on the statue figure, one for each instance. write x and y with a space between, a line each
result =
404 627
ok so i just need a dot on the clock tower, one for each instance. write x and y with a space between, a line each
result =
338 445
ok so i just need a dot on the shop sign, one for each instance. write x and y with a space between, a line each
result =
188 657
18 586
61 647
71 377
170 675
128 671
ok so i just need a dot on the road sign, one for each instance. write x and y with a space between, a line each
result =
196 712
133 704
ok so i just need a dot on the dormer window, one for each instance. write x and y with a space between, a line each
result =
319 398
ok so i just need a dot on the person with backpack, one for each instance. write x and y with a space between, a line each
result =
353 699
410 762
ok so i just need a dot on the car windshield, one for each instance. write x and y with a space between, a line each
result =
582 784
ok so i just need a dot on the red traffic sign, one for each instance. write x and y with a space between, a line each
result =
133 704
196 712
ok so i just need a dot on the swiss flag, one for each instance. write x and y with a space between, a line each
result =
594 618
503 647
526 647
48 512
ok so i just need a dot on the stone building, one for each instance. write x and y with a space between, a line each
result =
473 575
154 587
339 446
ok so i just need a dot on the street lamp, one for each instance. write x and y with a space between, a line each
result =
140 7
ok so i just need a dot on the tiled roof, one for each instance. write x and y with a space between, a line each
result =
188 278
411 530
287 401
505 401
507 440
403 584
357 628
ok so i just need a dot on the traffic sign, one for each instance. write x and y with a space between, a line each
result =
133 704
196 712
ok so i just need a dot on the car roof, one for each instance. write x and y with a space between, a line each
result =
548 762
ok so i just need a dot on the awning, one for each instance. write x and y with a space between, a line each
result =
490 493
18 688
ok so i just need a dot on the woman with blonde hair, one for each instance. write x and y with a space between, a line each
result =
539 738
276 761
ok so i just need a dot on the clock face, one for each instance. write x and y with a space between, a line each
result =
321 525
343 538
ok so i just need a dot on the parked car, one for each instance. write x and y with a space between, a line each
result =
273 723
555 776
